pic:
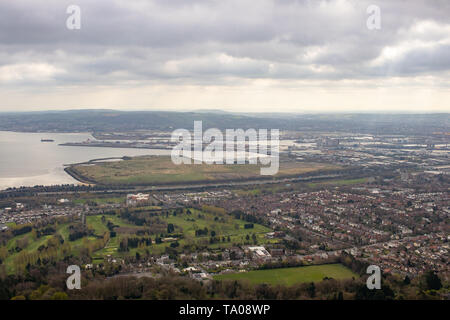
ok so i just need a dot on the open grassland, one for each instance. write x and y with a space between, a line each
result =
150 170
290 276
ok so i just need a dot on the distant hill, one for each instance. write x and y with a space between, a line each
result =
123 121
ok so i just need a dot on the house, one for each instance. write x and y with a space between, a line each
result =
277 252
259 252
134 199
201 276
190 269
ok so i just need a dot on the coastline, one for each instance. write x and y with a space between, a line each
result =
28 162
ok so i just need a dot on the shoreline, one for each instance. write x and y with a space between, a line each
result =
111 145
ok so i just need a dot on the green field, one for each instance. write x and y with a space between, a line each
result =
160 170
339 182
93 222
290 276
186 225
100 201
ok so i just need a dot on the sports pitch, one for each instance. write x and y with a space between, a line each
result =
290 276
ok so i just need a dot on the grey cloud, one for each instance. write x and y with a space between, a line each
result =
191 41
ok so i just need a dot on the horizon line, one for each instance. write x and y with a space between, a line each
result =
224 111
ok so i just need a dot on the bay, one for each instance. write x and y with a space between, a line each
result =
26 161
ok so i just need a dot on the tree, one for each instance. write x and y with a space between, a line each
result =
432 281
59 296
123 246
311 289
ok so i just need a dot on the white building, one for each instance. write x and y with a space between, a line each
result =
260 252
134 199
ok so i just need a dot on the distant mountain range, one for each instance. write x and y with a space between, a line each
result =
100 120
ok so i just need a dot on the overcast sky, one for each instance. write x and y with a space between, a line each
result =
234 55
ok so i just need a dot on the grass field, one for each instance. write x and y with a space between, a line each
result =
63 229
339 182
290 276
186 225
230 227
160 169
100 201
